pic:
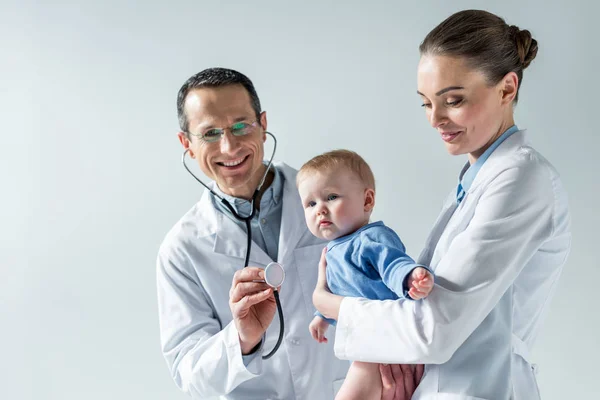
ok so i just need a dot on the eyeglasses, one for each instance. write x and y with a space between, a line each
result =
237 129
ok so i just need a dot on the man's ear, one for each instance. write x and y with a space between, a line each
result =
185 142
263 123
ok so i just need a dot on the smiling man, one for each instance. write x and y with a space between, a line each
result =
216 321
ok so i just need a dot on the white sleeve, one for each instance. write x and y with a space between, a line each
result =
512 219
204 360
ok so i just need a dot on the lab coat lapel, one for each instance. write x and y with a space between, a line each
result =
450 206
292 215
438 228
230 239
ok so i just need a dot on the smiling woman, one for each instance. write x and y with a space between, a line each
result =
500 243
468 112
469 76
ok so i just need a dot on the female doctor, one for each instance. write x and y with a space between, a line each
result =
499 244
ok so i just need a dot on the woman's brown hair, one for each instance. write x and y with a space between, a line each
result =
485 41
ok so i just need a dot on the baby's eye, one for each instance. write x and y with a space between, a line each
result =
332 197
311 204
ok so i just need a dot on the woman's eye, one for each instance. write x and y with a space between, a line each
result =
332 197
454 103
426 105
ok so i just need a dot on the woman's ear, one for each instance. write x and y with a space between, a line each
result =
509 86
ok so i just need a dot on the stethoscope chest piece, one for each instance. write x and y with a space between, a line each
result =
274 275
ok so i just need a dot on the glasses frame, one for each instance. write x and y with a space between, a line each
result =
253 125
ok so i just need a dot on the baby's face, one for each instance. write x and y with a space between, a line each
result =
334 203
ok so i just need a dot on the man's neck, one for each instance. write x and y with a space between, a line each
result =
268 181
247 194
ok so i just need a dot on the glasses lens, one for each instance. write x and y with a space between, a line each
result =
241 129
212 135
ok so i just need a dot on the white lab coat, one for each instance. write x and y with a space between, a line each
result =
497 260
195 267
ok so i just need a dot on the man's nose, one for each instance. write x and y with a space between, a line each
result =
228 143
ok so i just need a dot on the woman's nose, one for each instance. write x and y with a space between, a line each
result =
436 117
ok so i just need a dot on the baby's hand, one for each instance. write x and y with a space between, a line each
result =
317 329
420 283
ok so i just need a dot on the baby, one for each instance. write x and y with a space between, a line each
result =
363 259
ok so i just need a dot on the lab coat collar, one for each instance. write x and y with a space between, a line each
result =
510 145
228 236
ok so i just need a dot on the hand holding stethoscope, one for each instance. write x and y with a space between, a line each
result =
253 304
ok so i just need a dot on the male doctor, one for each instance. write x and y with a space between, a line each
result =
213 314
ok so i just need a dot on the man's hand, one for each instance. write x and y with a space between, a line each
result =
252 305
400 380
317 328
420 283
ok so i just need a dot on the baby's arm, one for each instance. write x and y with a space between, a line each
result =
382 249
420 283
317 329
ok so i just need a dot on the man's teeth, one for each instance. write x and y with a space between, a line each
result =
232 163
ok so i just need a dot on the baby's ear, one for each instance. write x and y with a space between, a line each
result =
369 200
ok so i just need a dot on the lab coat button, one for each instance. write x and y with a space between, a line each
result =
263 221
535 369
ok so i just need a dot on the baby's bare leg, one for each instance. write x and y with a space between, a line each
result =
363 382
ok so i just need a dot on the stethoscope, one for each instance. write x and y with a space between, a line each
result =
274 273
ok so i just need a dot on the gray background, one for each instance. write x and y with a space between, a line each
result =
91 177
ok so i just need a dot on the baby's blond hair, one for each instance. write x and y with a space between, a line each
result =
336 159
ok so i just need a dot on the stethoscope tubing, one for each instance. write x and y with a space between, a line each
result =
247 219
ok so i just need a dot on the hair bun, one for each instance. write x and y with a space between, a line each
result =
527 46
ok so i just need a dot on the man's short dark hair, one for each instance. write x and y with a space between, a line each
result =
210 78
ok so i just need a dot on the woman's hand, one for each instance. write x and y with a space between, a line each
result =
324 301
399 381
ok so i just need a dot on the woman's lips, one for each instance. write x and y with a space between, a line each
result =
450 136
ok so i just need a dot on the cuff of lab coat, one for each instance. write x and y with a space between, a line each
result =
253 361
344 327
250 364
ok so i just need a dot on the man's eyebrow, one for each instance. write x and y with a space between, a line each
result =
211 125
240 119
